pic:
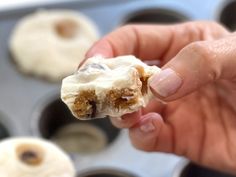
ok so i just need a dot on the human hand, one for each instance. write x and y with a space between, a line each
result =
197 81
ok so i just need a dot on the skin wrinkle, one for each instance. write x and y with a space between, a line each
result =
112 46
171 110
185 153
224 126
205 104
202 33
172 128
195 33
173 137
203 141
199 53
230 150
169 53
210 33
182 150
132 30
227 48
160 55
138 42
172 140
221 32
176 32
212 51
203 53
164 54
141 47
217 101
155 144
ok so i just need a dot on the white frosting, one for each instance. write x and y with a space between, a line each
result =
103 75
38 49
55 163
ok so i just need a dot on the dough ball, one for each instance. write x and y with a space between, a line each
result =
31 157
52 43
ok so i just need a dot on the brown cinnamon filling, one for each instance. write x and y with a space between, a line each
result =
66 28
85 104
144 79
30 154
122 99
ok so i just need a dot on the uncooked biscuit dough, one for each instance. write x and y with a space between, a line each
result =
31 157
51 43
108 87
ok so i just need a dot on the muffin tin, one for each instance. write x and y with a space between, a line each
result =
55 122
227 14
31 106
188 169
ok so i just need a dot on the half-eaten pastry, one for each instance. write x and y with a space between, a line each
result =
108 87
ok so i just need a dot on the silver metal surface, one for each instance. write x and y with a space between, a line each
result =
185 168
227 14
106 172
23 97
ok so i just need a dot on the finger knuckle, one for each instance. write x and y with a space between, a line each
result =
204 53
214 24
127 27
200 49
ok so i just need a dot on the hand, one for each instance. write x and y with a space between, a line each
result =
197 81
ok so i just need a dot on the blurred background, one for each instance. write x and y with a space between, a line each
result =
7 4
30 106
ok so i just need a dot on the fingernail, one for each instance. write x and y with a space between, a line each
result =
166 83
147 126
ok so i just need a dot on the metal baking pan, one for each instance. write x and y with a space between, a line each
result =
30 106
189 169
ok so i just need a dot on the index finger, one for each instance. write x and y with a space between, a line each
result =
152 42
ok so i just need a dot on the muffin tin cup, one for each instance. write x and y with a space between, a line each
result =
227 14
105 172
158 15
55 122
7 127
187 168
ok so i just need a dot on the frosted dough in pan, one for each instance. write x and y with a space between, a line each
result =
31 157
51 43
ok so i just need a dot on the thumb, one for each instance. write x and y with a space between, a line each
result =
194 66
